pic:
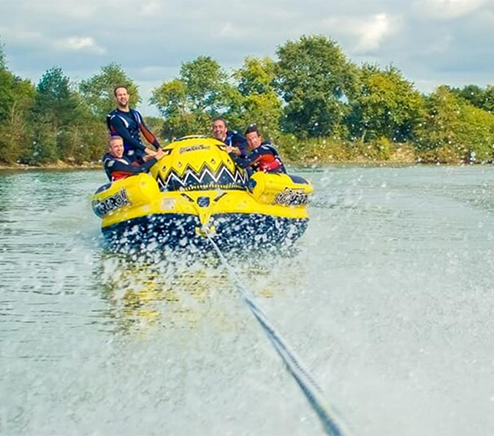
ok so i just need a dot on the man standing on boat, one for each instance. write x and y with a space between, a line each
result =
129 124
263 156
117 166
230 138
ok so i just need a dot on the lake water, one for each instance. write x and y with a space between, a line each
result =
389 303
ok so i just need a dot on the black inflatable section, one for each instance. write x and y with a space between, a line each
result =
232 232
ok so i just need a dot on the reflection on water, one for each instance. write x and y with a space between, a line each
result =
179 294
147 295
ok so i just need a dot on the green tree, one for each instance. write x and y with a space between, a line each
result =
488 100
16 99
3 59
15 134
173 103
55 101
474 94
205 81
384 105
190 102
442 120
56 107
13 90
314 78
453 128
85 140
256 76
476 133
477 96
97 91
255 100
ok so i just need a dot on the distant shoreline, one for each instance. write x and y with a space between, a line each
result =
56 166
295 165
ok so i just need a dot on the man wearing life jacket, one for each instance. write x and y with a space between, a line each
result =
117 166
129 124
263 156
230 138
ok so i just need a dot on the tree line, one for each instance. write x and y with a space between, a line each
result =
312 101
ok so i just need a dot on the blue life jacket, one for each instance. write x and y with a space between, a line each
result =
132 121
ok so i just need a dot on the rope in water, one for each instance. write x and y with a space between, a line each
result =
331 424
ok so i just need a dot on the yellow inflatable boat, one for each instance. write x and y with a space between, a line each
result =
197 189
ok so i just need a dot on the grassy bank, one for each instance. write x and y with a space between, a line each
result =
323 151
60 165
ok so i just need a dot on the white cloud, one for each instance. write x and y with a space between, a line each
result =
373 33
150 8
84 44
370 31
447 9
227 30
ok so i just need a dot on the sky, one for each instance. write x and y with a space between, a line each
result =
432 42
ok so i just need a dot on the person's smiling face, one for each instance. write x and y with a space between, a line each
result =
253 139
116 147
122 97
219 130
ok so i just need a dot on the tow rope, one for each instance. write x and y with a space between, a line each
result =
332 425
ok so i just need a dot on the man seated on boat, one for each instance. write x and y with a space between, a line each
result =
117 166
229 137
263 156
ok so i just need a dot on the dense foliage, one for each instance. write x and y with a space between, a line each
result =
315 80
312 100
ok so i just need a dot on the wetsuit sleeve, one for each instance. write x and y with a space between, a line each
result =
244 162
120 167
146 132
122 131
241 143
238 141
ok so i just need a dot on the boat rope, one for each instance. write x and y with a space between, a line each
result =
332 425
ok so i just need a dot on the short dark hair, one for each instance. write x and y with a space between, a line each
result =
118 87
251 129
220 119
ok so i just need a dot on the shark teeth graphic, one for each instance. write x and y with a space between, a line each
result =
206 177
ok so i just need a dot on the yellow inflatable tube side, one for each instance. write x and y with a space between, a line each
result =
125 194
280 189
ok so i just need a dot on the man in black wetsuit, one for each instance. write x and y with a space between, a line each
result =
263 156
230 137
117 166
129 124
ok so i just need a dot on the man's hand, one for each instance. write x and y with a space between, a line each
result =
236 150
159 154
